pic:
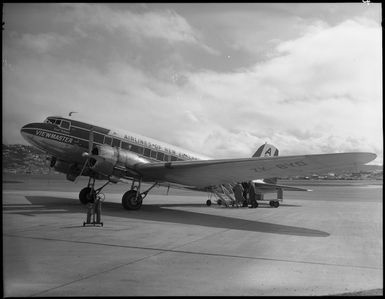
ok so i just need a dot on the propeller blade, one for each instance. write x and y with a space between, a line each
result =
91 141
85 154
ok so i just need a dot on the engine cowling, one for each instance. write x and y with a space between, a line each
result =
112 161
72 170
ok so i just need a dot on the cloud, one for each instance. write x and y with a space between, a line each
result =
43 42
317 93
327 82
166 24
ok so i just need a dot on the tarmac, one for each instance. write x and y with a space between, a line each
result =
325 242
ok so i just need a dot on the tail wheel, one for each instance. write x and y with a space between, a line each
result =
274 204
84 195
254 204
130 200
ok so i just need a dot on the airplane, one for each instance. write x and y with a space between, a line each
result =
79 149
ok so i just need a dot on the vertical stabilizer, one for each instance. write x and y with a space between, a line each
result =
266 150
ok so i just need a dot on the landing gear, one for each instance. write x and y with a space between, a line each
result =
254 204
84 195
132 200
274 204
208 202
93 198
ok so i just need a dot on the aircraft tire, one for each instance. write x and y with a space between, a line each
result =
254 204
271 203
130 202
208 202
276 204
83 195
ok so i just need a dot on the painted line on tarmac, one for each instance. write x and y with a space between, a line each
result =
198 253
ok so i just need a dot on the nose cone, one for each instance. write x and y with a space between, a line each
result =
27 131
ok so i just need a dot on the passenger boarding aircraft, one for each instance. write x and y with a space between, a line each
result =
82 149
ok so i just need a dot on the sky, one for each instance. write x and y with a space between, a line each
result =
219 79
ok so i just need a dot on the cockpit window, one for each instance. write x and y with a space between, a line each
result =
65 124
50 120
58 122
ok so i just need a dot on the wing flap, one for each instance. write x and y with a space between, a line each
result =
273 187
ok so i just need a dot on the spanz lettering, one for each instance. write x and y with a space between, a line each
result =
54 136
292 164
260 169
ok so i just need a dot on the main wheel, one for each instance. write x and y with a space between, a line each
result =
130 200
276 204
84 195
208 202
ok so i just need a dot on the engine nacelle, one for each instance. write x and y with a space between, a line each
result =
72 170
60 166
111 160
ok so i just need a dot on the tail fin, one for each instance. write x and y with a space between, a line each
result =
266 150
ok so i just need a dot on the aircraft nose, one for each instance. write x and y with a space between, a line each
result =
27 130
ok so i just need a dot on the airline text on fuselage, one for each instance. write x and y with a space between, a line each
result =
54 136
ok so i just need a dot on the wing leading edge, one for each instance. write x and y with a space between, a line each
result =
206 173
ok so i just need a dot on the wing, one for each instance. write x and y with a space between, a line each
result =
206 173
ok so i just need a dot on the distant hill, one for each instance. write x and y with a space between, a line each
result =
18 158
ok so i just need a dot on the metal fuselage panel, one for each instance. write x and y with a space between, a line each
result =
69 144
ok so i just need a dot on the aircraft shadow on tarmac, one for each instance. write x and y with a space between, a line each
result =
158 212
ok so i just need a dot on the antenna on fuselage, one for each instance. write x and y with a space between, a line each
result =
69 114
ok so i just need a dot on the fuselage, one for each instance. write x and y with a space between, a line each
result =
67 139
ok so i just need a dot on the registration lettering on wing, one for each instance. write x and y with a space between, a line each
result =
290 165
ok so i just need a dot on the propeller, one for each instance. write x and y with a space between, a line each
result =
52 161
87 154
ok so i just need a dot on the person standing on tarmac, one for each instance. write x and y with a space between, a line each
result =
252 196
238 193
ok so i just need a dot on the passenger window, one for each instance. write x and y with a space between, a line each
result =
173 158
166 158
65 125
153 154
107 140
137 149
126 146
147 152
98 138
160 156
134 148
116 142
